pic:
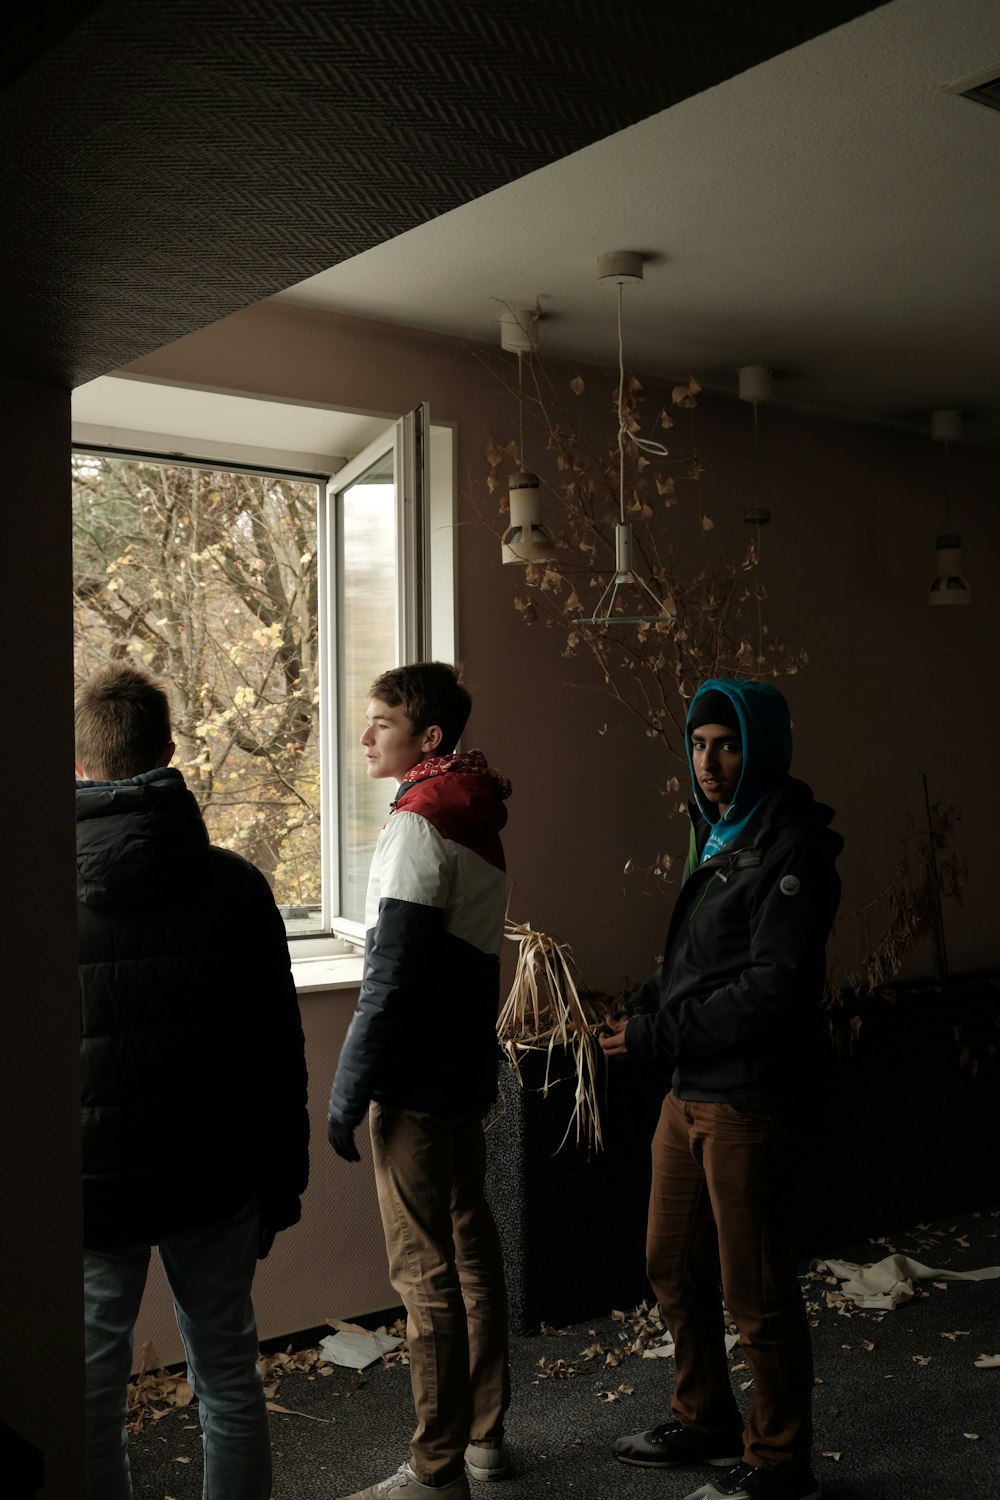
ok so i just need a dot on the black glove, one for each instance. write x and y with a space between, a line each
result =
265 1239
341 1138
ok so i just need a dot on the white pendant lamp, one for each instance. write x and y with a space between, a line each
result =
948 585
755 386
526 540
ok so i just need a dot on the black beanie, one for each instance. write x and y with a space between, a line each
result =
713 707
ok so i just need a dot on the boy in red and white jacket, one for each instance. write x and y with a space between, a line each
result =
420 1058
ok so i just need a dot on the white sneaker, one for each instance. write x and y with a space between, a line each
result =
405 1485
487 1463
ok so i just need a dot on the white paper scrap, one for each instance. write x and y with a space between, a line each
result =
665 1349
357 1350
889 1282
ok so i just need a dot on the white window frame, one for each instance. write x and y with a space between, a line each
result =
424 465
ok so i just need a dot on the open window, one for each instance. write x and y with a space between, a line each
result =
268 587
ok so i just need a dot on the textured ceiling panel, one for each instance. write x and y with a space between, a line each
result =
169 161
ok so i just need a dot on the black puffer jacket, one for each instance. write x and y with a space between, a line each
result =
193 1066
732 1014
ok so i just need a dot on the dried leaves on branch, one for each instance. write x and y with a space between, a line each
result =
710 587
880 935
209 578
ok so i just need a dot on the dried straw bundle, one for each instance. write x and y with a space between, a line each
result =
545 1010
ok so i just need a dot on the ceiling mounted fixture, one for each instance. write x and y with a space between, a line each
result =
516 324
526 540
626 587
755 386
948 586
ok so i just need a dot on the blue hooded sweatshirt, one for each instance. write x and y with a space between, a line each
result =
760 713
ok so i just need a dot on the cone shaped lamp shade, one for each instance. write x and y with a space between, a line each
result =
526 540
949 587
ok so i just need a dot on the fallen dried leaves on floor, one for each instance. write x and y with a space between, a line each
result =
153 1394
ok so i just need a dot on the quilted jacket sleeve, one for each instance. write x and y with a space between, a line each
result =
283 1121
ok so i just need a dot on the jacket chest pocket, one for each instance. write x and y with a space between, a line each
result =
725 899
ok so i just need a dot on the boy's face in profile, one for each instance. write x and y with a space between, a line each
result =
392 748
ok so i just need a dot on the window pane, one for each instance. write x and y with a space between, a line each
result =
208 578
368 641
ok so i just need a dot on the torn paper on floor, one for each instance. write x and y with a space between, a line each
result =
357 1350
889 1282
665 1349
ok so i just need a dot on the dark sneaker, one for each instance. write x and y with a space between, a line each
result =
744 1482
671 1446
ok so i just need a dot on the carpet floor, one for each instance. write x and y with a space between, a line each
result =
902 1410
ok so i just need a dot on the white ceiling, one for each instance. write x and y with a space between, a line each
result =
833 214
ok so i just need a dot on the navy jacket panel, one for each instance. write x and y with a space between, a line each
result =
193 1066
739 989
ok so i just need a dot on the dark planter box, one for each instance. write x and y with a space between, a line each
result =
909 1132
572 1222
905 1134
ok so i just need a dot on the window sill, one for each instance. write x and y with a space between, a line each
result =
332 971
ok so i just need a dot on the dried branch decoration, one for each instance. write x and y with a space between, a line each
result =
546 1010
713 623
880 935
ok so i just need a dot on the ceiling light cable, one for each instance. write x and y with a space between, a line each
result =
622 266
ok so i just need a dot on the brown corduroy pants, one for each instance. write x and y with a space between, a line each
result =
723 1211
445 1263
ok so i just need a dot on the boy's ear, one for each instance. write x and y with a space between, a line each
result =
166 756
432 739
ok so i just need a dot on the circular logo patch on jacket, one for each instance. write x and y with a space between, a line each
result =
789 885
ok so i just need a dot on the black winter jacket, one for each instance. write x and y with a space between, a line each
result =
193 1065
732 1014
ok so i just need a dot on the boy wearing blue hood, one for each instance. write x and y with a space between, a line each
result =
731 1018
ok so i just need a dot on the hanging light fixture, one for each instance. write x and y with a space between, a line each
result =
526 540
620 267
948 585
755 386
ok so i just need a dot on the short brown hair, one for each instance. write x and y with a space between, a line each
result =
428 692
122 723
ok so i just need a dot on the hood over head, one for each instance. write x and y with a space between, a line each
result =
471 763
760 713
136 840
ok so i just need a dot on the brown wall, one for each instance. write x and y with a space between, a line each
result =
893 689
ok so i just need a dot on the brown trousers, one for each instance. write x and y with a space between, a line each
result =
724 1209
446 1265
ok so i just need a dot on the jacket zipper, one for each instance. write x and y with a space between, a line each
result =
716 875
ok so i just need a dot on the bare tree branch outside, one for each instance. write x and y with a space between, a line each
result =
208 578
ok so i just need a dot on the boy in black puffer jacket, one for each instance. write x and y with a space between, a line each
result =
189 1022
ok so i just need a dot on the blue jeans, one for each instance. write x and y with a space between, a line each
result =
209 1271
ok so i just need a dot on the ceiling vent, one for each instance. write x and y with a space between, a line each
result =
984 88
